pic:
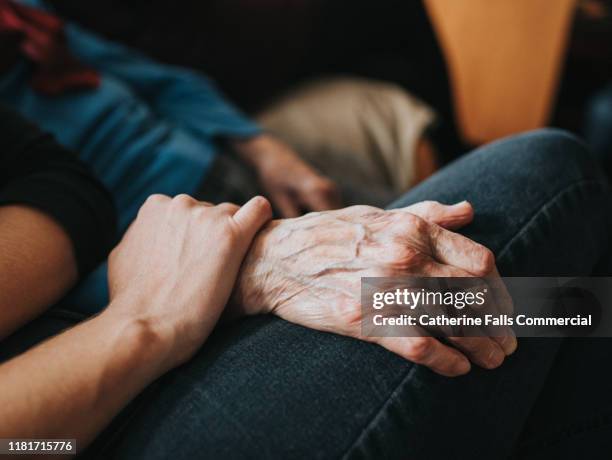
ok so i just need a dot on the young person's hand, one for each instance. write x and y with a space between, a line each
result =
291 184
308 271
169 278
176 266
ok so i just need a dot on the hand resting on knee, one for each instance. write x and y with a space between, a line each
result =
308 271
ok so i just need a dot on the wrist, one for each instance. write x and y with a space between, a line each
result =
144 339
257 281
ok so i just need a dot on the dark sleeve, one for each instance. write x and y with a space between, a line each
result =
37 172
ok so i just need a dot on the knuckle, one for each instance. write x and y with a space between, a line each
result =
357 213
155 200
183 201
151 204
227 207
431 204
405 257
419 348
361 209
416 224
202 212
485 261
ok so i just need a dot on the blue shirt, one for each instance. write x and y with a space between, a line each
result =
148 128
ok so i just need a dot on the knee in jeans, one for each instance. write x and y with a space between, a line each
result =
558 154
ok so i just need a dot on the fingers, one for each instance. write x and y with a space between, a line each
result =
502 296
483 351
250 217
457 250
448 216
448 247
287 206
507 342
429 352
487 352
459 256
320 194
253 215
505 305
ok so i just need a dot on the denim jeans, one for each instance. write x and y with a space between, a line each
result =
266 388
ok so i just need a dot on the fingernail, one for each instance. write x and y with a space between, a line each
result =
495 358
509 342
462 366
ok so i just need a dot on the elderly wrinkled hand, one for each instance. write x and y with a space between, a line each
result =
308 271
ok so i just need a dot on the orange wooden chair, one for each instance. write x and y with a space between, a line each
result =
505 58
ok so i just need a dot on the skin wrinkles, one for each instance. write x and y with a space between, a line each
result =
341 247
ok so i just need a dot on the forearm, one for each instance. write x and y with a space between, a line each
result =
161 313
37 265
72 385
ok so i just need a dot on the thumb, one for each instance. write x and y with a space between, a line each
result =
448 216
253 215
